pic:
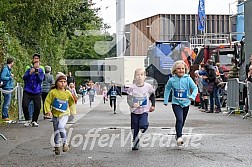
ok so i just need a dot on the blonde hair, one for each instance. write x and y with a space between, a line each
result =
139 69
218 64
176 64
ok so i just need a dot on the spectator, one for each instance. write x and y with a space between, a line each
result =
8 85
33 79
70 78
35 59
198 81
221 72
234 71
46 86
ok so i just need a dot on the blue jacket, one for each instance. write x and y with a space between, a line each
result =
111 90
180 87
33 82
6 77
203 73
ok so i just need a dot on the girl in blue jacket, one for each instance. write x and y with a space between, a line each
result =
180 84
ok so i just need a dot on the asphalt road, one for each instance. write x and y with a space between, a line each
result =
100 138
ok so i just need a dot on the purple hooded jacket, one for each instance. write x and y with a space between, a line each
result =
34 81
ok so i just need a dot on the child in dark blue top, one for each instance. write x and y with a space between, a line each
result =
112 93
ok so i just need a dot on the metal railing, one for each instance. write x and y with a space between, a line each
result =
233 95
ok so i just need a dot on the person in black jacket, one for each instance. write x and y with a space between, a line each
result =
112 93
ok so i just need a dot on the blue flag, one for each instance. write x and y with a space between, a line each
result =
201 15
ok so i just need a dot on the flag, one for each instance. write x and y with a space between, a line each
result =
201 15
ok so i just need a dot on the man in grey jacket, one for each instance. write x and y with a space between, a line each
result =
46 86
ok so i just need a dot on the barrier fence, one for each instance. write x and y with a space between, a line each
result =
249 96
234 87
233 90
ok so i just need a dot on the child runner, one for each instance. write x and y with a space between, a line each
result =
59 103
180 85
139 96
112 93
83 92
104 94
91 93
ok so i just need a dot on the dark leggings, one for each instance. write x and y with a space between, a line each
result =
180 114
113 101
138 121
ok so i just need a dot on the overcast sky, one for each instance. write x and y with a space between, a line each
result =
140 9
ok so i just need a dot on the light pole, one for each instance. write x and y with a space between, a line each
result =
120 25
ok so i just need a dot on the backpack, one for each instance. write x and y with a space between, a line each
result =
2 84
211 75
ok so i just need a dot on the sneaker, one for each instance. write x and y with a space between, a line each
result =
218 110
34 124
246 115
209 111
6 119
70 118
135 147
180 141
65 147
27 123
57 150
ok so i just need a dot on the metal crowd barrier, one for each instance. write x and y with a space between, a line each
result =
233 95
249 96
18 95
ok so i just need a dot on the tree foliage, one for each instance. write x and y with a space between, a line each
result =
47 27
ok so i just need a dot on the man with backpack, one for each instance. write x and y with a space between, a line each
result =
7 86
214 90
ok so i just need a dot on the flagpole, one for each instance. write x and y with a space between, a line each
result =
204 31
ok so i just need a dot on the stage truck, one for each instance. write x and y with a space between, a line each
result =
160 59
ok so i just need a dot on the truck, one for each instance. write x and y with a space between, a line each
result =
221 49
160 59
121 70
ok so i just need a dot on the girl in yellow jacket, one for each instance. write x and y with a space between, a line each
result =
59 103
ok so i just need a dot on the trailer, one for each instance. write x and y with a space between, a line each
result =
121 70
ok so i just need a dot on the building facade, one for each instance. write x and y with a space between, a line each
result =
171 27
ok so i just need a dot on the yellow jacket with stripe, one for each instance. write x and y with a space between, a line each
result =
64 95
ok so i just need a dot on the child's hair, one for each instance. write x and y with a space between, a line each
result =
139 69
176 64
71 84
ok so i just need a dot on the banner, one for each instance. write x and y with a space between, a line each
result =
201 15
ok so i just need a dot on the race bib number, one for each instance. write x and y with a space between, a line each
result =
113 93
91 92
180 93
60 105
142 101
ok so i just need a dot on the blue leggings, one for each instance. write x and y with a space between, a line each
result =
180 114
139 121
